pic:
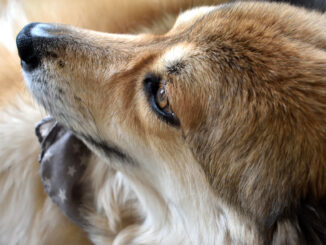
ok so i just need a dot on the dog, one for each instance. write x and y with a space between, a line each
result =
211 133
28 215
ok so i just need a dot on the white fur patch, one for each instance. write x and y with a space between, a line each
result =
176 54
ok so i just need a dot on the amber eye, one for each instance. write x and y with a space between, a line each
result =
162 100
158 98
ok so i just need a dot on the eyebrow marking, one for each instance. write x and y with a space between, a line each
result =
176 68
176 53
174 59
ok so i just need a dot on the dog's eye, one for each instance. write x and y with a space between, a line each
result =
162 99
158 98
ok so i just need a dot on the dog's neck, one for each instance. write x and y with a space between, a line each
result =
181 207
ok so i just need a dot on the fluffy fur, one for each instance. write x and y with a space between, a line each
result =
243 161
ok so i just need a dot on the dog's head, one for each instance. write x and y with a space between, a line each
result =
228 106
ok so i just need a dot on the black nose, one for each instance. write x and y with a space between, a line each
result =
26 51
29 42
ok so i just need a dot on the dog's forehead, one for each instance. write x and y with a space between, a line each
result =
178 54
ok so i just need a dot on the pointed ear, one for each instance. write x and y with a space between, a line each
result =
43 128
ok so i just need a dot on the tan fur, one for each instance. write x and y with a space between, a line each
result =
246 82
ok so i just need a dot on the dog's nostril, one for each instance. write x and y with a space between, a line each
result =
28 40
25 46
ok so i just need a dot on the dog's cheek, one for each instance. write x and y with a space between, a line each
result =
190 107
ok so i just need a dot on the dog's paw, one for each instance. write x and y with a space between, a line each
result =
63 161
